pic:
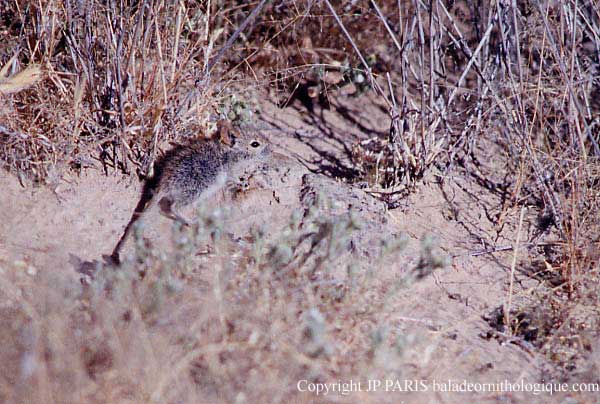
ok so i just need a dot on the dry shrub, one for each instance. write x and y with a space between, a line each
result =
243 323
470 83
119 77
536 113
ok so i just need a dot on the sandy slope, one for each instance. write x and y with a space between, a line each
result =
441 315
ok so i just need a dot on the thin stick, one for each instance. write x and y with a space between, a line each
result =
374 83
563 71
504 248
161 58
387 27
507 308
178 23
235 35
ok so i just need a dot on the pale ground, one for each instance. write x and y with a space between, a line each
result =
442 314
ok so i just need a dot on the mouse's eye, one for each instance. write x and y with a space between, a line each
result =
255 144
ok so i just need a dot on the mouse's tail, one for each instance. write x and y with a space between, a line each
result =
142 206
117 250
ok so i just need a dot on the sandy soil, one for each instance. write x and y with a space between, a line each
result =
42 229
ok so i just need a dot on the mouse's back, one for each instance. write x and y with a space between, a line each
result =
189 169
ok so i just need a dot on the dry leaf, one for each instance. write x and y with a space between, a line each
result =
22 80
4 70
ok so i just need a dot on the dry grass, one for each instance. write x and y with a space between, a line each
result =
119 78
154 332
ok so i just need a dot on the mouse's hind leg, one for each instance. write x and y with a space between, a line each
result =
166 207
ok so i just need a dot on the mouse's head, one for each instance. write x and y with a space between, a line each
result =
252 144
248 142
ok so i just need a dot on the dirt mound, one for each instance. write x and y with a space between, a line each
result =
313 325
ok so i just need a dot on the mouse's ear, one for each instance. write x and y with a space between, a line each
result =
224 130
